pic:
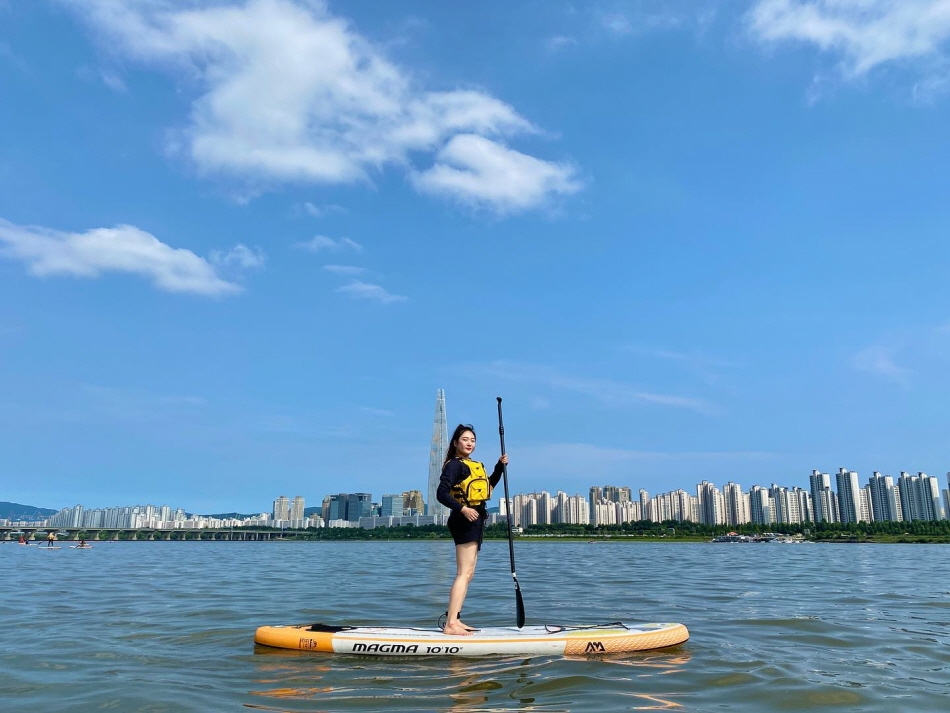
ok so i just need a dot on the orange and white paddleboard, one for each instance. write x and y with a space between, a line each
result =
489 641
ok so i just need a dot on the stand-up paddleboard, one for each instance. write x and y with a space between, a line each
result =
54 547
490 641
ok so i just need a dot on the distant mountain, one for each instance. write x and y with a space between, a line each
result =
15 511
231 515
307 512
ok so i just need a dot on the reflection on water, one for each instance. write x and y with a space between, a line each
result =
169 627
462 684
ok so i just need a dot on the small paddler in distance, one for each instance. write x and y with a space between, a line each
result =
464 488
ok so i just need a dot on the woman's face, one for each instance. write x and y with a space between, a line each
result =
465 444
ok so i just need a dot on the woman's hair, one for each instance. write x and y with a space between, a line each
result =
459 430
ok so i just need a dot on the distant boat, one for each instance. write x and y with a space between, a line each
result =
732 537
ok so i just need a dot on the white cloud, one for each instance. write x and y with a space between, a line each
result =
123 249
481 172
345 269
559 42
672 355
376 411
879 360
290 93
319 243
321 211
608 392
366 291
239 256
617 23
113 81
865 33
657 15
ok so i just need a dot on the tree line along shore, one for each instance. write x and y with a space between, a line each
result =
920 531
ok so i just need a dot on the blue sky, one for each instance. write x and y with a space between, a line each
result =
243 243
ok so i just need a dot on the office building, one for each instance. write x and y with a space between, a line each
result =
392 506
412 502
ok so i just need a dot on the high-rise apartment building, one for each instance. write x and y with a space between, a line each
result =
571 509
596 495
931 494
885 498
645 503
297 508
800 504
615 494
545 508
867 509
437 450
824 501
281 509
675 505
734 504
920 497
711 504
781 503
761 510
849 495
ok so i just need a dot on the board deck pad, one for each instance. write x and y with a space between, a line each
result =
488 641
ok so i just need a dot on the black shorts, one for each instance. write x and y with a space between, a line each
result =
464 531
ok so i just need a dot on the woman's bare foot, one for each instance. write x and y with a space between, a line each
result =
456 628
467 627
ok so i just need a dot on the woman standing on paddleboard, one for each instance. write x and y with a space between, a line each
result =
464 488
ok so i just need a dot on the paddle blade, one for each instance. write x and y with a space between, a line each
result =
520 604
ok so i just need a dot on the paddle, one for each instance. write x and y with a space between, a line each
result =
519 602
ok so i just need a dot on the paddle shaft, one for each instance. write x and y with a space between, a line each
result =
519 601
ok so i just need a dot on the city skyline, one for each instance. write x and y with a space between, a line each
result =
913 497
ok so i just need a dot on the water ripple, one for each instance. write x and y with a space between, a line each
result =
166 626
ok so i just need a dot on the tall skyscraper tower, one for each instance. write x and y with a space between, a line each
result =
440 444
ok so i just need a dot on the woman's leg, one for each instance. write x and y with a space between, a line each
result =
465 557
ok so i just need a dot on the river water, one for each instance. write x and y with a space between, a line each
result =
168 626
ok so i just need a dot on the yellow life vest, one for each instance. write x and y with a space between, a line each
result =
474 489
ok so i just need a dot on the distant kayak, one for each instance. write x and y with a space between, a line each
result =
489 641
80 547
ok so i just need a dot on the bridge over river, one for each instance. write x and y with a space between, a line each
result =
36 532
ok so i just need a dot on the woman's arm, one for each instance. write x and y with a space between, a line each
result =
497 472
452 473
